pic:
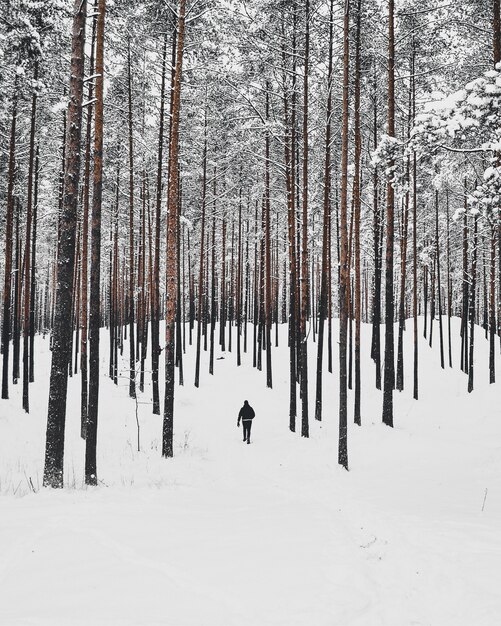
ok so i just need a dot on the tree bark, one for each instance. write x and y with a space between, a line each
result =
132 359
172 256
27 248
6 320
54 448
324 289
303 354
95 278
344 263
389 348
357 209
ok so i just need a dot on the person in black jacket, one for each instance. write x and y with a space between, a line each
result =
246 414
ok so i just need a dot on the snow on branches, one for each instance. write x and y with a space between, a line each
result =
468 122
387 155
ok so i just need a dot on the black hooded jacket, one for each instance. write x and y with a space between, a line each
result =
246 412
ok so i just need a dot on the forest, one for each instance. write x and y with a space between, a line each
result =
300 197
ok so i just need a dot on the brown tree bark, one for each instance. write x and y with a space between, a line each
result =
132 355
324 287
54 448
172 256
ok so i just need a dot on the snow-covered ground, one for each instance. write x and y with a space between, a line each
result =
274 533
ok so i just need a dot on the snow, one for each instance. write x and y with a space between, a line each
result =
266 534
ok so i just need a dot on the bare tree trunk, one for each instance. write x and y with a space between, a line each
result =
54 448
267 255
449 285
389 349
95 278
324 287
473 290
201 290
155 295
18 273
213 282
344 263
6 320
492 307
132 358
33 270
403 279
85 245
357 209
414 276
172 256
179 347
27 249
439 288
464 316
303 352
376 305
289 146
239 279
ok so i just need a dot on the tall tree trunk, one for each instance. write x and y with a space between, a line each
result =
213 282
201 289
439 287
239 278
85 245
289 146
54 447
324 287
132 359
33 286
473 290
172 256
27 248
95 278
389 348
415 390
155 295
492 306
18 274
376 305
357 209
304 239
344 283
449 285
222 310
267 255
403 280
6 319
466 287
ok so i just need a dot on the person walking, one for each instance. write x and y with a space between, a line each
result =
246 414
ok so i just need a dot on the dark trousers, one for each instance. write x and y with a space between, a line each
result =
247 428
